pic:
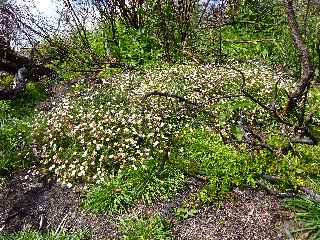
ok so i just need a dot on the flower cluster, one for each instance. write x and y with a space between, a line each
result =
95 132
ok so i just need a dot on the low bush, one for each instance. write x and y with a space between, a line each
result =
96 131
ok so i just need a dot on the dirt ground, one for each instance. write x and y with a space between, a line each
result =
28 201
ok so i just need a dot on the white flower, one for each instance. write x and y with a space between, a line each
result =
52 167
98 146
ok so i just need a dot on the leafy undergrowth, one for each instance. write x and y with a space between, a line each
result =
202 152
94 132
117 133
16 118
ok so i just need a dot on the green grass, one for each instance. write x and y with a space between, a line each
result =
130 185
50 235
308 214
16 117
152 228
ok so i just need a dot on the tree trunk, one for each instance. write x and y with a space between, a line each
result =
24 70
307 72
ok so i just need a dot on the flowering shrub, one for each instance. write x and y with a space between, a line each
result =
94 133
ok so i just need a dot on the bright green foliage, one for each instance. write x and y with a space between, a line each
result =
122 191
307 167
16 118
293 169
203 152
308 214
152 228
50 235
135 47
258 31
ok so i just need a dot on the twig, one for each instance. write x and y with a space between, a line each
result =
287 231
41 222
198 177
275 193
61 224
307 141
248 41
270 178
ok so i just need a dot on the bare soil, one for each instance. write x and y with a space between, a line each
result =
29 201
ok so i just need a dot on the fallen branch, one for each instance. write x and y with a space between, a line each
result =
270 178
311 195
308 192
306 141
276 193
200 178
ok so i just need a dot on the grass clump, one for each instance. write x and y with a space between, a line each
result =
155 228
49 235
122 191
308 215
16 117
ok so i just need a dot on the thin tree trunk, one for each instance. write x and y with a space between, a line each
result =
307 72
